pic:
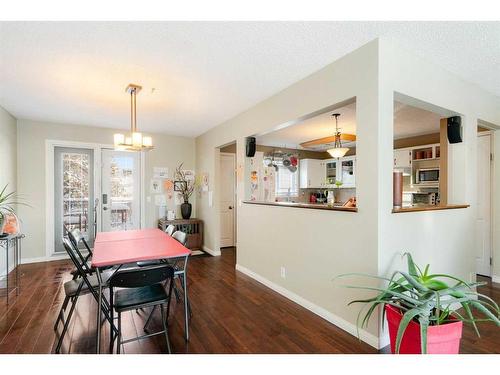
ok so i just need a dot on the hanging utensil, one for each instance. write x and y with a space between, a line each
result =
286 161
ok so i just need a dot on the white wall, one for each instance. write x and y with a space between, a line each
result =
169 152
445 239
314 246
8 169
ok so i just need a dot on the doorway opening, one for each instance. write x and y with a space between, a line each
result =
227 180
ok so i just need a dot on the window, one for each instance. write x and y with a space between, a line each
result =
287 183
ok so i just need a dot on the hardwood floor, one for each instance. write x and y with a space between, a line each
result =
231 314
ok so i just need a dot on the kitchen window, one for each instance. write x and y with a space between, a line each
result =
287 183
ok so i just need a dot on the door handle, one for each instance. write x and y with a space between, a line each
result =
104 208
230 207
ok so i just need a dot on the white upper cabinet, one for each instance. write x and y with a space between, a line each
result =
402 158
312 173
348 171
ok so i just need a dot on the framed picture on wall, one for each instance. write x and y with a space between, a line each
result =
180 185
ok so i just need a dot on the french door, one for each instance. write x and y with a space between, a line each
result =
74 205
94 199
120 190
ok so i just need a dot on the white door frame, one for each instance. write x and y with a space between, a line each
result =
50 145
490 134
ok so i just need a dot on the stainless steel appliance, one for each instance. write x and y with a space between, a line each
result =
425 199
427 176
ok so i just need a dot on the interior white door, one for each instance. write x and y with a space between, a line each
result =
121 190
483 223
227 199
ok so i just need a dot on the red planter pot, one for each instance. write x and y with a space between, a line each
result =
442 339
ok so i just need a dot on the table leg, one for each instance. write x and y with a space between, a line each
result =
99 307
186 308
7 269
16 258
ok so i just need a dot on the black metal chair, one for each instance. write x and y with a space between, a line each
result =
179 273
84 283
141 288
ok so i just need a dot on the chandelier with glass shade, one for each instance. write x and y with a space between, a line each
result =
134 141
337 151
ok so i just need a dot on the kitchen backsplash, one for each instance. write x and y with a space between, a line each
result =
343 194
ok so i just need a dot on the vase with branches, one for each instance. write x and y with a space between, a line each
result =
186 186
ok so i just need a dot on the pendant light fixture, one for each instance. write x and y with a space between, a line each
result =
337 151
134 142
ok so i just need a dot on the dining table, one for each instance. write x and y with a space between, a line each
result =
118 248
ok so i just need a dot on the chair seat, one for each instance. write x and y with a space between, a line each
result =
71 287
146 263
132 298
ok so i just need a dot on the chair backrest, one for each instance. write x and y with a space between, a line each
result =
181 237
76 257
143 276
77 238
170 229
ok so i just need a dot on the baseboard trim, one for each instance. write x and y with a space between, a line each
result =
350 328
44 259
495 279
212 252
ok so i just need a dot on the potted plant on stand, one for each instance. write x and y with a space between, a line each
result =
186 184
422 309
7 202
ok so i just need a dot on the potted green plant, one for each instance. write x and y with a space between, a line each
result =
7 202
186 186
421 309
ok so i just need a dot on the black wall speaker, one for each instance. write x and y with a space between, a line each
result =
251 147
454 129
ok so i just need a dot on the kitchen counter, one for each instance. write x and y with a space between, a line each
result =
314 206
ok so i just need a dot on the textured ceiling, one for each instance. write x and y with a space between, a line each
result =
409 121
203 73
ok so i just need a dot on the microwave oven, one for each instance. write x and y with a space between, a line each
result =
429 176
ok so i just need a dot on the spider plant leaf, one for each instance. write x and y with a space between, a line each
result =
407 318
426 271
448 277
412 270
485 311
471 317
414 282
395 294
424 324
434 284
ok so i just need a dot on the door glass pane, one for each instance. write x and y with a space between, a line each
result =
73 193
76 191
122 193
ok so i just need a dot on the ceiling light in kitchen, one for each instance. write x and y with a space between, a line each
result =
337 151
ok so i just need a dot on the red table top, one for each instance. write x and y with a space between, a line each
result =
115 248
122 235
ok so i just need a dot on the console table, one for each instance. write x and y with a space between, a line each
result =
192 227
8 242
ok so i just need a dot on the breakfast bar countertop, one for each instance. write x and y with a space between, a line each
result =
314 206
